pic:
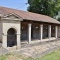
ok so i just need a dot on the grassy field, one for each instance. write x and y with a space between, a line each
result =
52 56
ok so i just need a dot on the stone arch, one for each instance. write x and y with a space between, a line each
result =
11 37
13 28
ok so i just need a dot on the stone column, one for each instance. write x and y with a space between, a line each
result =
29 32
18 41
4 40
56 28
49 31
19 37
41 31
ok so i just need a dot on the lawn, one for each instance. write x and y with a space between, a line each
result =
52 56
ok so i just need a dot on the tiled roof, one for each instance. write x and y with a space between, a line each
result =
28 15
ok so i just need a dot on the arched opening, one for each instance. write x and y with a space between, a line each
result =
11 37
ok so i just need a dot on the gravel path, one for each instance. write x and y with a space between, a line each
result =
34 50
38 50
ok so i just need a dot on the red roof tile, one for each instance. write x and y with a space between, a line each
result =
28 15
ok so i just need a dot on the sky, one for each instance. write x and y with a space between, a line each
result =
16 4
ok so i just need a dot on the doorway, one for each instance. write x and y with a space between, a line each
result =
11 37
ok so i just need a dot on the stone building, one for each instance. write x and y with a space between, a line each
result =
18 26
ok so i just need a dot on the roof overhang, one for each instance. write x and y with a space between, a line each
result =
43 21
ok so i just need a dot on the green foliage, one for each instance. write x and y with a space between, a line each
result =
46 7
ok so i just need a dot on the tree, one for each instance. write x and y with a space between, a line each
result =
46 7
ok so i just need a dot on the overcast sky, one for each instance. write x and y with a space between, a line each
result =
17 4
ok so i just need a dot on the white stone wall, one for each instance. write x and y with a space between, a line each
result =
10 24
6 26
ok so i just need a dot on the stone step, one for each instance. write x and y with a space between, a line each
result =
39 43
3 51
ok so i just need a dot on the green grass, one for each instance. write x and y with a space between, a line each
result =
52 56
3 57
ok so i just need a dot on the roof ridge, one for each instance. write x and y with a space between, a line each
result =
23 11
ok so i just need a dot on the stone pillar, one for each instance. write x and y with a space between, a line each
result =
49 32
29 32
4 40
56 28
41 31
19 37
18 41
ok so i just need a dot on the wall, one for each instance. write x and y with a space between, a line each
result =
24 31
58 32
0 31
7 24
10 24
